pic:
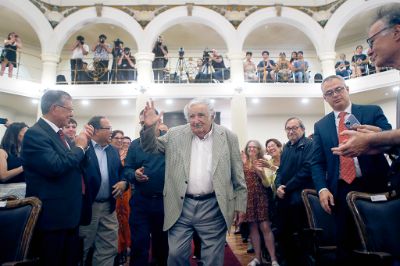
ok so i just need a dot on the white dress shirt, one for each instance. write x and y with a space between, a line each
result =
200 176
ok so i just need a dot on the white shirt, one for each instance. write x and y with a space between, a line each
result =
77 53
337 119
200 176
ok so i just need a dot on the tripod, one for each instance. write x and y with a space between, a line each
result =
181 70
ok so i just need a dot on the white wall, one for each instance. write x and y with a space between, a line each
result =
389 109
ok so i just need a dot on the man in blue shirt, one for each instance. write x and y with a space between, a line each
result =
146 171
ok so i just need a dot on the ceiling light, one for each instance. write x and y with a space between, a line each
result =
386 93
169 101
305 100
212 100
124 102
35 101
255 100
395 88
85 102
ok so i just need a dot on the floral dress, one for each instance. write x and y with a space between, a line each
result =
257 200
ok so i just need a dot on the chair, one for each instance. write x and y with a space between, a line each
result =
377 217
321 232
17 222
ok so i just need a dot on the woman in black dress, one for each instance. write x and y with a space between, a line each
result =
11 170
9 53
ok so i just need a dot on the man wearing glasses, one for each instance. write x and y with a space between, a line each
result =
52 172
334 176
102 169
384 50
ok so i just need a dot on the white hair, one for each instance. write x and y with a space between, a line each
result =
196 101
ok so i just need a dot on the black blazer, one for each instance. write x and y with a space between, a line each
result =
92 177
325 165
53 175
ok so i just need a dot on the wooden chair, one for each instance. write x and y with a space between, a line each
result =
17 222
320 236
377 217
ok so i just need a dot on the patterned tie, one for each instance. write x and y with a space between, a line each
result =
62 138
347 168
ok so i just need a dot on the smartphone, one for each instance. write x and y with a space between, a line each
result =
3 121
351 121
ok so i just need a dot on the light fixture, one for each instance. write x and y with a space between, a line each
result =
395 88
305 100
169 101
124 102
35 101
85 102
255 100
212 100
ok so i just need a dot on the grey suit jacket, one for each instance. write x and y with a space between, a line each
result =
227 168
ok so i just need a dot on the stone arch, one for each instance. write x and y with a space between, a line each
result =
201 15
34 17
110 15
345 13
289 16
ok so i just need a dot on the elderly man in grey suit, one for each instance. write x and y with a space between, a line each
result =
204 187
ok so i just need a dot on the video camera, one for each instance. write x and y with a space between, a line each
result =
127 50
102 38
206 56
118 42
181 52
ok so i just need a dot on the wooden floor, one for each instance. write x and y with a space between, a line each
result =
239 248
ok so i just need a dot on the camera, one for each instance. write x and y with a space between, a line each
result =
81 39
181 52
3 121
118 42
206 55
102 38
127 50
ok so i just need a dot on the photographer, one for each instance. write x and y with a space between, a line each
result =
100 58
116 52
9 53
126 66
221 72
160 51
79 50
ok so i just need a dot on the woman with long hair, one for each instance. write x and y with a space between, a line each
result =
11 170
257 202
9 53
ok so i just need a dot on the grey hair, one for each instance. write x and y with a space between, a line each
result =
301 124
389 14
331 77
196 101
51 97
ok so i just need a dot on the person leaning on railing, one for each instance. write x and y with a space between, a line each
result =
9 54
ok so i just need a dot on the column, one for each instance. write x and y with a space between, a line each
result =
144 67
49 71
239 117
328 60
236 63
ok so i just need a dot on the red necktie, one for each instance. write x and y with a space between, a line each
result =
347 168
62 138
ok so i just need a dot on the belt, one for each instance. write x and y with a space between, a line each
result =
151 195
200 197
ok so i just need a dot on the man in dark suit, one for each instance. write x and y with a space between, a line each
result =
102 170
53 175
334 176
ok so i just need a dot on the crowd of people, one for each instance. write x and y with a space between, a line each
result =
194 179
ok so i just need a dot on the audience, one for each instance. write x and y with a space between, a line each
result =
9 54
79 51
100 58
359 62
70 130
257 202
300 68
266 68
126 66
11 170
342 67
160 61
283 68
249 68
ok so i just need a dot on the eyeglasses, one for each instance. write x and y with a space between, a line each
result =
66 108
371 40
337 90
295 128
106 128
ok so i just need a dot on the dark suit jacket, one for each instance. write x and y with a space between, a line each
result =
53 175
325 165
92 177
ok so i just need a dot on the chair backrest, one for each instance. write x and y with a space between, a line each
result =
377 217
318 218
17 221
